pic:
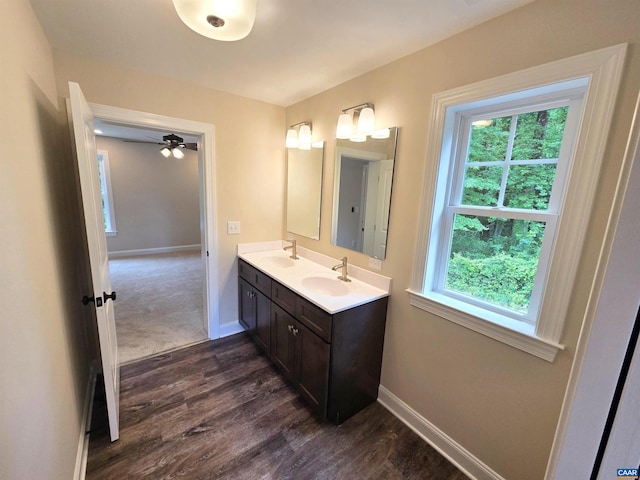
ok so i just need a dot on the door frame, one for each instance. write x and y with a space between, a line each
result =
207 181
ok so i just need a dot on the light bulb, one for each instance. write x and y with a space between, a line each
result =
345 126
178 153
366 121
381 133
166 153
292 138
304 137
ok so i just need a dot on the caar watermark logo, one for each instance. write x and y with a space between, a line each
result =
628 473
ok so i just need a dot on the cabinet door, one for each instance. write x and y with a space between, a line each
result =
311 367
263 322
282 340
247 305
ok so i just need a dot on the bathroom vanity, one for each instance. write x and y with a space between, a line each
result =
325 335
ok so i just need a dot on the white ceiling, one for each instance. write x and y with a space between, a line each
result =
296 49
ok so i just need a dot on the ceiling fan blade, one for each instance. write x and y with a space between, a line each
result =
191 146
143 141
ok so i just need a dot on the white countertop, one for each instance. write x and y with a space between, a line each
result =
312 278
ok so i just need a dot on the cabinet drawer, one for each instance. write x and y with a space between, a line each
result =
255 277
283 297
316 319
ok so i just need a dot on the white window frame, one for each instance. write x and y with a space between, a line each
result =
107 195
599 72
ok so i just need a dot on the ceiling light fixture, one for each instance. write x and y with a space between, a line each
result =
366 123
225 20
300 138
166 152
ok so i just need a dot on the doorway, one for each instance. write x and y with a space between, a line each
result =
206 179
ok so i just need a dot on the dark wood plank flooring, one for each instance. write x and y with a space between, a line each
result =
220 410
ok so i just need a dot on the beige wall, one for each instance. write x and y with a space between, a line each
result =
156 199
249 150
499 403
44 360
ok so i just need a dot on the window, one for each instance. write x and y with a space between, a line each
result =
503 202
105 190
508 189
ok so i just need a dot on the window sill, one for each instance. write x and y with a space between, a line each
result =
113 233
510 332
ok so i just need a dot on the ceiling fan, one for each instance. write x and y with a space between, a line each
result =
172 145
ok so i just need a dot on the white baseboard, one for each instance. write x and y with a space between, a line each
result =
153 251
83 442
227 329
445 445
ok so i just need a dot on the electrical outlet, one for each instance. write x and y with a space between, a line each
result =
375 263
233 228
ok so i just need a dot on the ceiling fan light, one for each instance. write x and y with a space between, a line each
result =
166 152
345 126
223 20
366 121
177 153
292 138
304 137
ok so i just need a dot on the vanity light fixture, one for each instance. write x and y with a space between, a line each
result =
218 19
366 123
300 138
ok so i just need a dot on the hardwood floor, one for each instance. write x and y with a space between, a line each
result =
220 410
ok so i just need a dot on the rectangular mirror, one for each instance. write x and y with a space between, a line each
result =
304 190
362 194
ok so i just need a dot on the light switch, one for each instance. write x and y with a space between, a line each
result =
233 228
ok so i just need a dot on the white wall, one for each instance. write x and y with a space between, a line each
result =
156 199
44 355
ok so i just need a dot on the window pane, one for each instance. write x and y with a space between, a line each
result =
488 143
494 259
539 134
482 185
529 186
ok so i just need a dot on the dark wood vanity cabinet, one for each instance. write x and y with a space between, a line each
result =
254 304
333 360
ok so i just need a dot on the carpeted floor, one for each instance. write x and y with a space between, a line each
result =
160 303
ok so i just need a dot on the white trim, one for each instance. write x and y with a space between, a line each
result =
153 251
208 211
231 328
516 334
82 454
464 460
603 68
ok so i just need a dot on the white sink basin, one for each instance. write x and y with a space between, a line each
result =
325 286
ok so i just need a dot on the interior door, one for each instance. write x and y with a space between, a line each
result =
86 155
382 208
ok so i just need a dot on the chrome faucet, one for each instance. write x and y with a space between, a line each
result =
292 247
343 266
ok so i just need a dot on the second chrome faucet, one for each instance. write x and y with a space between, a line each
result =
292 247
343 266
